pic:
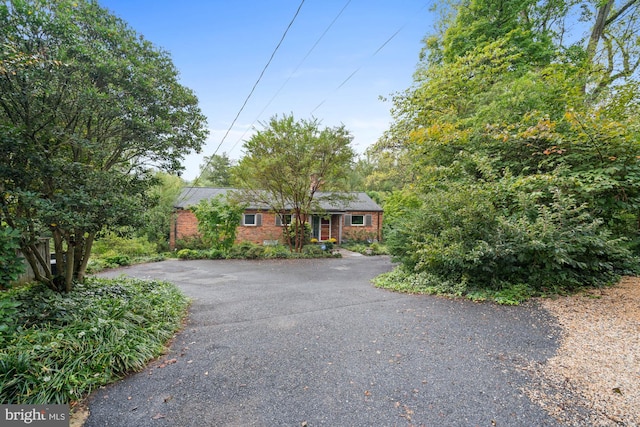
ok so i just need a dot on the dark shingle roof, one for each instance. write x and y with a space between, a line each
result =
360 201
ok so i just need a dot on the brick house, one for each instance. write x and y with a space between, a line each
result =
359 218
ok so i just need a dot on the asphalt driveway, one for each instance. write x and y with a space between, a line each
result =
313 343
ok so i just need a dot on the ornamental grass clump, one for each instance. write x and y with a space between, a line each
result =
66 345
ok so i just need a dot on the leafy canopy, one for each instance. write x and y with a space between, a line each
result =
525 149
289 161
87 109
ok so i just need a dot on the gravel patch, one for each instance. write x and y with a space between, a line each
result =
594 378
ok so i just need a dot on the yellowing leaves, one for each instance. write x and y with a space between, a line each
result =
439 134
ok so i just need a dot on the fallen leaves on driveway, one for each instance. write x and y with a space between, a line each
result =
594 378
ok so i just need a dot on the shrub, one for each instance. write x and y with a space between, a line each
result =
374 248
218 220
312 251
117 260
245 250
191 254
277 251
11 265
463 240
192 242
111 245
68 345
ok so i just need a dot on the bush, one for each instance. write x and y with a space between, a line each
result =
68 345
246 250
117 260
11 265
191 254
463 240
192 242
112 245
366 248
312 251
277 251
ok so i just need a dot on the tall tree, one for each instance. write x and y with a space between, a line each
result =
516 128
92 107
215 171
289 161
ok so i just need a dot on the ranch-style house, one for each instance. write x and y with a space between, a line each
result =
359 216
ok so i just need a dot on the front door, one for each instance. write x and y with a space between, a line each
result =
321 228
325 229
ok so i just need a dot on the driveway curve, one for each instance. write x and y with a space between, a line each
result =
313 343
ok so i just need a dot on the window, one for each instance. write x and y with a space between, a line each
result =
357 220
252 220
283 220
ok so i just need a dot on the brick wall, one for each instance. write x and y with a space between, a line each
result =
268 230
185 224
357 232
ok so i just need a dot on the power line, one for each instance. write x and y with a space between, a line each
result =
293 72
353 73
244 104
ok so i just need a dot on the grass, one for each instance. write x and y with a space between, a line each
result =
58 348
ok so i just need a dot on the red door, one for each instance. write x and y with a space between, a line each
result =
325 229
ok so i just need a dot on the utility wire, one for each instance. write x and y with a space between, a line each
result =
244 104
292 73
361 66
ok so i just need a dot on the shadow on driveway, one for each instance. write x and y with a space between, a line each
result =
313 343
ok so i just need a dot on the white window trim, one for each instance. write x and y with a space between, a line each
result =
256 220
358 225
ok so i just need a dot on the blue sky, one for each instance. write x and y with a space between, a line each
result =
221 47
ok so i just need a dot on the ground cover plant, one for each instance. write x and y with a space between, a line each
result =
56 348
248 250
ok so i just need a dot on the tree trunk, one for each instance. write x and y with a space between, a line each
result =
37 263
68 277
86 254
598 29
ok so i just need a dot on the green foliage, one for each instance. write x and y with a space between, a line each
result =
89 110
157 219
11 265
312 251
367 248
8 310
524 154
68 345
402 280
215 171
303 231
117 260
360 236
464 240
246 250
276 251
289 161
218 220
111 245
192 242
200 254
